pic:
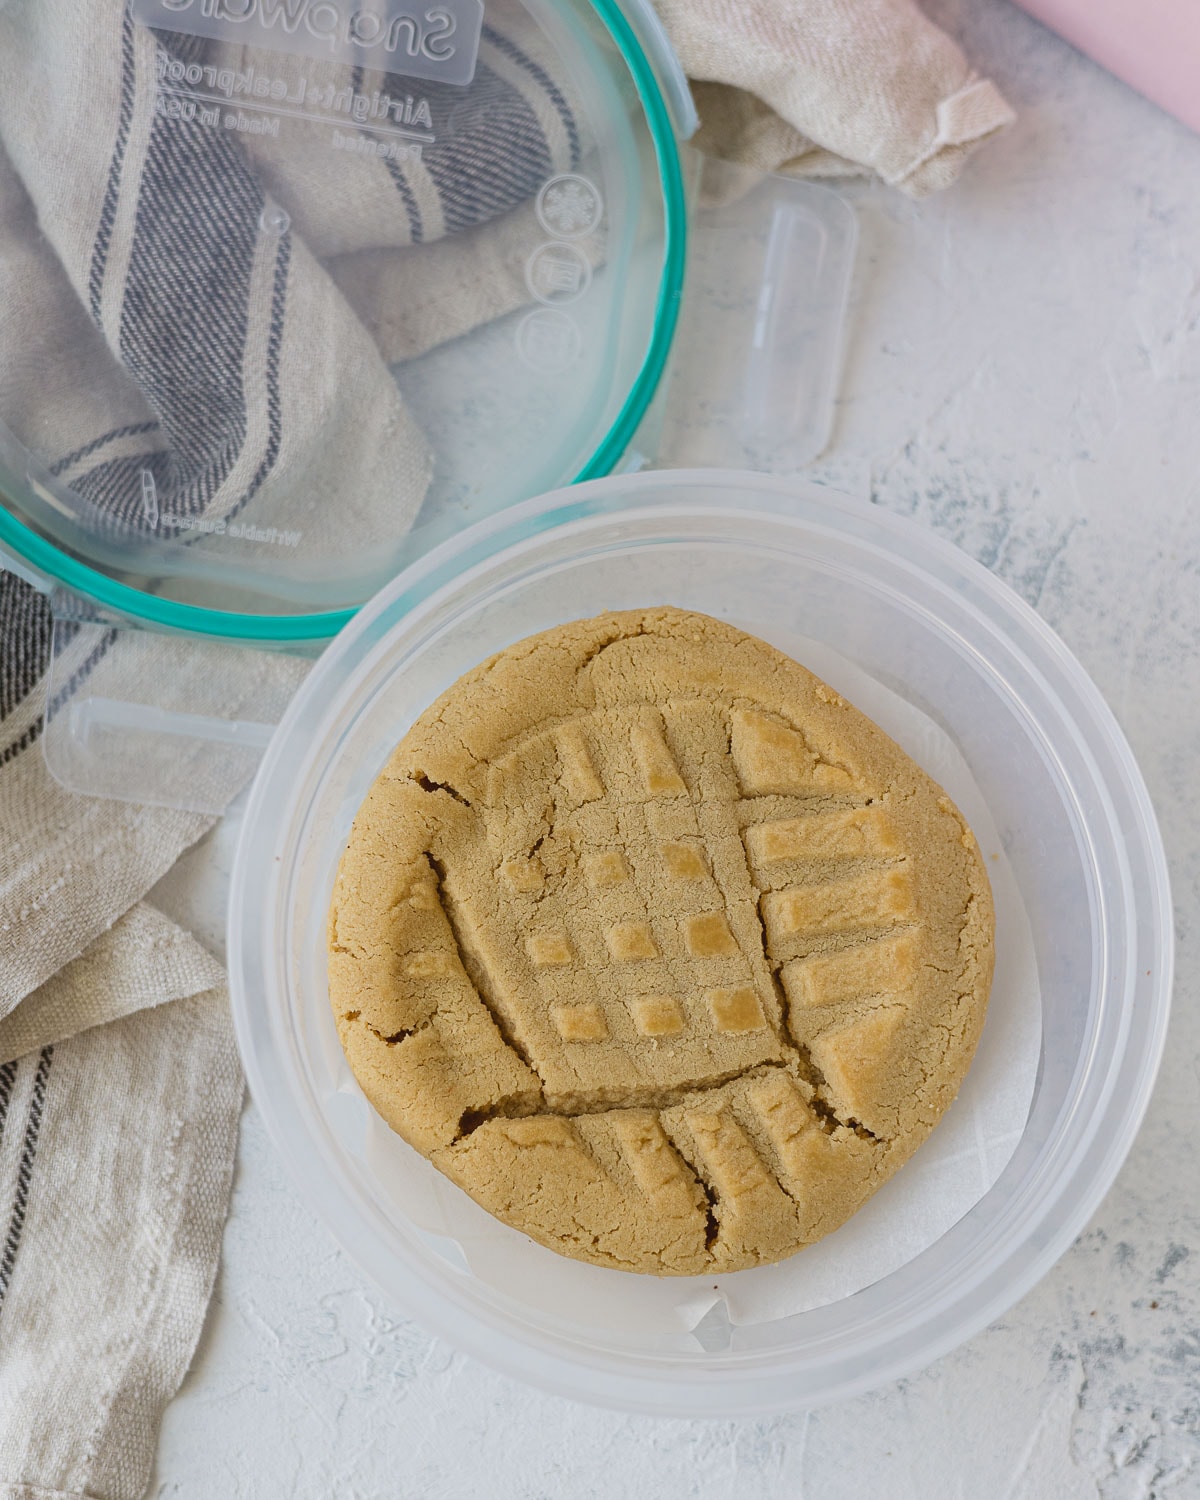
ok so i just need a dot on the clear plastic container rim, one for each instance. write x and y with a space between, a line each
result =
1049 1209
662 89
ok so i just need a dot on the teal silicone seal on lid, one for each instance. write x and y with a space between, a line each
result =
399 305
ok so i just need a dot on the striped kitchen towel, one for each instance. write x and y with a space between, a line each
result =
119 1100
116 1156
177 346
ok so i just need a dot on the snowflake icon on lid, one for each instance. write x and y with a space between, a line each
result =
569 206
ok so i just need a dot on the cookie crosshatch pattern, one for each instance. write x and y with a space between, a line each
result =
657 947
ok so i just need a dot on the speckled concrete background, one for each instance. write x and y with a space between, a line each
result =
1024 377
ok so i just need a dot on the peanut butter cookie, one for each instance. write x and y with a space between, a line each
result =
657 947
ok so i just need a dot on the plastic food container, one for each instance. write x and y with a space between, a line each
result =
781 559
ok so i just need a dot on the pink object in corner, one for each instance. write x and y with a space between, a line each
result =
1154 45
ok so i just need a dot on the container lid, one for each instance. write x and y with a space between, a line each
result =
282 279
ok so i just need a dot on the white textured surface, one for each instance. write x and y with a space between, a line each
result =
1024 376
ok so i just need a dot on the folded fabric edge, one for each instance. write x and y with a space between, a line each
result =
966 119
143 960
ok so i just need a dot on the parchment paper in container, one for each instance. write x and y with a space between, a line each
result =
947 1176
